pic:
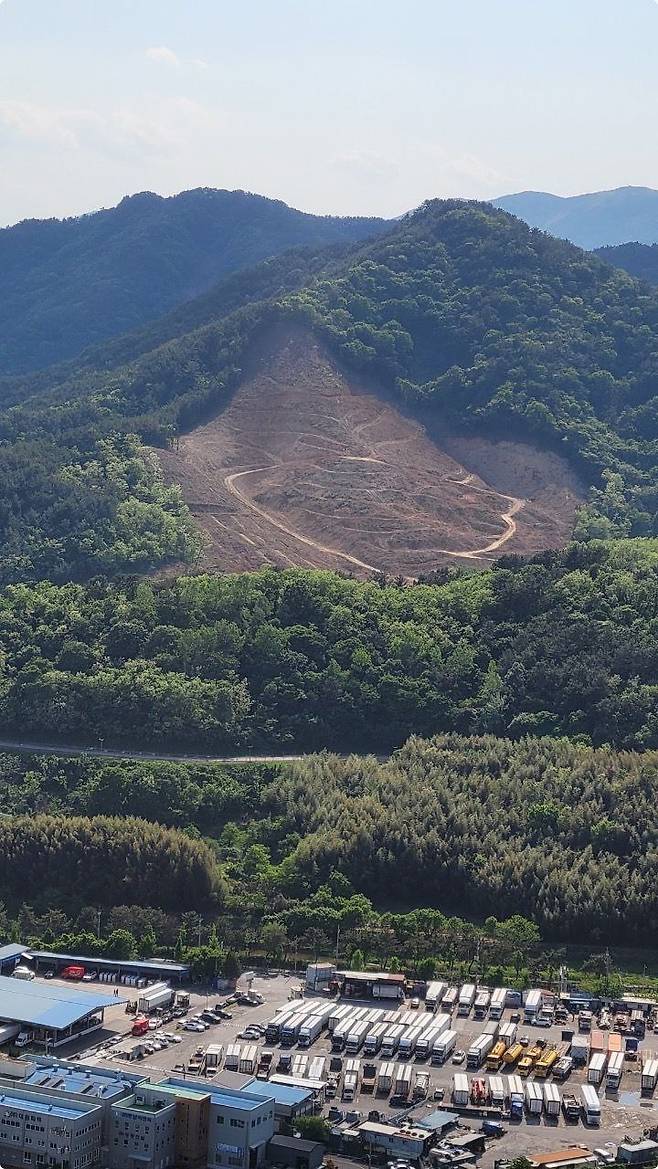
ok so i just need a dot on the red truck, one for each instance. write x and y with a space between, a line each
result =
73 972
140 1026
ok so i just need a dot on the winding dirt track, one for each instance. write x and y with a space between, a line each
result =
305 467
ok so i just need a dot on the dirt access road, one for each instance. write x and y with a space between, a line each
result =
306 467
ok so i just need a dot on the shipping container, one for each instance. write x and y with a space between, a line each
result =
232 1059
214 1053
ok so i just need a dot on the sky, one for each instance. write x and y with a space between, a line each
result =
335 106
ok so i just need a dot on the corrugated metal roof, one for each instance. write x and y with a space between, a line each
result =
222 1096
54 1007
280 1093
69 1111
12 950
150 964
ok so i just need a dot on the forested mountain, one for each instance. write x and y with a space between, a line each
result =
66 284
563 644
602 218
460 310
640 260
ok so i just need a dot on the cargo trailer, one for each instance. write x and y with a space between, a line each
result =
274 1025
481 1004
516 1097
443 1046
497 1004
291 1027
580 1049
508 1032
590 1103
497 1091
316 1067
158 995
356 1037
299 1065
374 1038
491 1028
532 1006
407 1044
310 1030
534 1098
466 999
391 1040
248 1060
649 1074
449 1000
232 1059
214 1053
426 1039
478 1051
615 1070
434 994
385 1078
596 1068
339 1012
402 1080
460 1090
552 1101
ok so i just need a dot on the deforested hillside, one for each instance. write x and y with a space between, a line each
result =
66 284
460 317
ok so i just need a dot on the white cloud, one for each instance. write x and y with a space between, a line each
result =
163 56
157 128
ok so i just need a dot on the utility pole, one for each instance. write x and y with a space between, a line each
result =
199 931
98 923
337 941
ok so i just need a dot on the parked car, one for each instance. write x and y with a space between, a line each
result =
90 976
524 1040
458 1056
439 1093
335 1115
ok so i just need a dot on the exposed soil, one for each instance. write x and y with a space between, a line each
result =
307 467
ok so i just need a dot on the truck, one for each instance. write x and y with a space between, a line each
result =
402 1080
497 1004
214 1053
407 1044
546 1062
638 1024
460 1090
563 1067
552 1100
449 1000
532 1006
160 994
580 1050
478 1051
274 1025
571 1106
421 1086
516 1097
615 1070
495 1056
232 1060
491 1028
435 992
74 972
310 1030
374 1038
508 1033
596 1068
291 1027
534 1098
391 1040
337 1014
513 1054
649 1075
385 1078
8 1031
316 1068
590 1104
140 1026
443 1046
585 1022
264 1064
466 1000
356 1037
24 973
479 1092
369 1077
481 1004
350 1084
497 1091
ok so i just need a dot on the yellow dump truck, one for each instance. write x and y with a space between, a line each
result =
513 1053
496 1056
546 1062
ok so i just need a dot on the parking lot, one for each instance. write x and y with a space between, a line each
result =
625 1112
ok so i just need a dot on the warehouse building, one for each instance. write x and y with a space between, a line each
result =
52 1015
10 957
148 968
37 1130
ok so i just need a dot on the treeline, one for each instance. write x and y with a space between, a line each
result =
564 644
95 861
559 833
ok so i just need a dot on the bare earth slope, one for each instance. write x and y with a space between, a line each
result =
306 467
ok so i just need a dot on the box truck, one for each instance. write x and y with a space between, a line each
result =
374 1038
310 1030
481 1004
532 1006
160 994
356 1037
516 1097
534 1098
443 1046
402 1080
497 1090
596 1069
435 992
497 1004
591 1105
466 999
421 1085
579 1050
615 1070
449 1000
385 1078
478 1051
460 1090
214 1057
232 1060
649 1075
391 1040
552 1100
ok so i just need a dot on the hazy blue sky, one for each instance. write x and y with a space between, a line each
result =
333 105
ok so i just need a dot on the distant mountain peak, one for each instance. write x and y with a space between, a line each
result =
592 220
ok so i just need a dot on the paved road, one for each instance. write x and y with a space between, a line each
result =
25 747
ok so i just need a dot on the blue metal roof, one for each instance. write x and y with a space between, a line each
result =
152 965
12 950
280 1093
76 1080
55 1007
68 1111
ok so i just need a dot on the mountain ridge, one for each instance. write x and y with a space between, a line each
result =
591 220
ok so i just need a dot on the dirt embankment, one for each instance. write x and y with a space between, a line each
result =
306 467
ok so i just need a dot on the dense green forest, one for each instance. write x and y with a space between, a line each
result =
460 309
561 834
66 284
102 857
640 260
566 643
